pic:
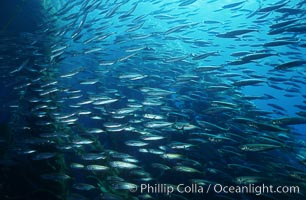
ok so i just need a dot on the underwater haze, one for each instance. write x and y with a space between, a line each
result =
152 99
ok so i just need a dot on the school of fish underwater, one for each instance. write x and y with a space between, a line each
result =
153 99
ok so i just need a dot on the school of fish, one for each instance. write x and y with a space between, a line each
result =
110 95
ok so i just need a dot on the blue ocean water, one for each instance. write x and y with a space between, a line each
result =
133 99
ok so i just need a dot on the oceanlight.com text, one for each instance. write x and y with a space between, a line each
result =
215 188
